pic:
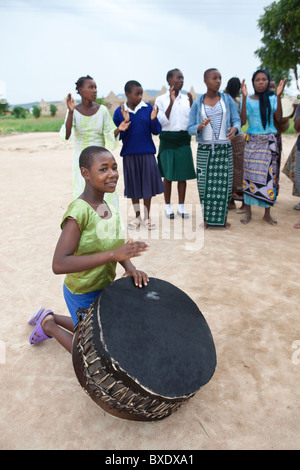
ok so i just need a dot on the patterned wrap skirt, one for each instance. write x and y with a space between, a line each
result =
238 147
214 180
261 170
175 158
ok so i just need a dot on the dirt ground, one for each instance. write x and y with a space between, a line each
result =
245 281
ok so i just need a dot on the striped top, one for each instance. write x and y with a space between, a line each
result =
216 129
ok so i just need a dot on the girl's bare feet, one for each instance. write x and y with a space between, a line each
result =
247 217
245 220
269 219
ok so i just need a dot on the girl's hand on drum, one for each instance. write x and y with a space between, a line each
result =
140 278
131 249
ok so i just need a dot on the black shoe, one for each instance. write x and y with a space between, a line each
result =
170 215
184 215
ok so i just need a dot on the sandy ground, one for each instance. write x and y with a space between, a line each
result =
245 281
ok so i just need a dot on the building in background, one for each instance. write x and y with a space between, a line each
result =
112 101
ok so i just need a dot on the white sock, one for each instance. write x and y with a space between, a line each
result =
181 208
169 208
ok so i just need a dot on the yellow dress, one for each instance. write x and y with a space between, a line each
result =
97 129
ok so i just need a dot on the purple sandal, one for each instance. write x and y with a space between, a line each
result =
38 335
34 318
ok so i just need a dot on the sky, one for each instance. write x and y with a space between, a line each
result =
46 45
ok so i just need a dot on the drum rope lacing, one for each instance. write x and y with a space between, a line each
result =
106 387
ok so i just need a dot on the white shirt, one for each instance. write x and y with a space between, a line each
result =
142 104
179 116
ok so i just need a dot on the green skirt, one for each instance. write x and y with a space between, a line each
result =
175 158
214 180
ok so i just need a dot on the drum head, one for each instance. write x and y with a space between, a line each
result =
157 335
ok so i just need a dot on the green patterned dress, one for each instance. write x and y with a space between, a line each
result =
97 129
215 166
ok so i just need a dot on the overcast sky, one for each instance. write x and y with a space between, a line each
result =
47 45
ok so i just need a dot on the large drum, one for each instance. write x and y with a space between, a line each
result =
140 353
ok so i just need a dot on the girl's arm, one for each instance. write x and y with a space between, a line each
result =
119 120
172 99
244 109
121 128
161 114
155 125
279 91
110 131
69 120
64 260
194 126
235 120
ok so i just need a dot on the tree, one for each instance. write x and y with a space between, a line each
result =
19 112
101 101
53 109
4 107
36 111
280 25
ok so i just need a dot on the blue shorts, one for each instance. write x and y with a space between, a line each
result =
76 301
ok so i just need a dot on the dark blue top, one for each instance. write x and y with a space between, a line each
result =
138 137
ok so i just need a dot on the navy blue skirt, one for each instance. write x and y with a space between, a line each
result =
142 179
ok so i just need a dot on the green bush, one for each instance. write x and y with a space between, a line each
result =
36 111
53 109
19 112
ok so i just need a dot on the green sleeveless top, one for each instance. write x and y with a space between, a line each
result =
97 235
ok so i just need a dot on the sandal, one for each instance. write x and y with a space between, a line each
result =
134 224
297 207
297 225
34 318
148 224
38 335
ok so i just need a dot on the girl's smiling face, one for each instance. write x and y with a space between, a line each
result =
103 174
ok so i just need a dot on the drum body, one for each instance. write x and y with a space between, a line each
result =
140 353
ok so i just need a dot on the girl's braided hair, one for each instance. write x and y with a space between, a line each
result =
80 82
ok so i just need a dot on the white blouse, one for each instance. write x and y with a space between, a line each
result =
179 116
